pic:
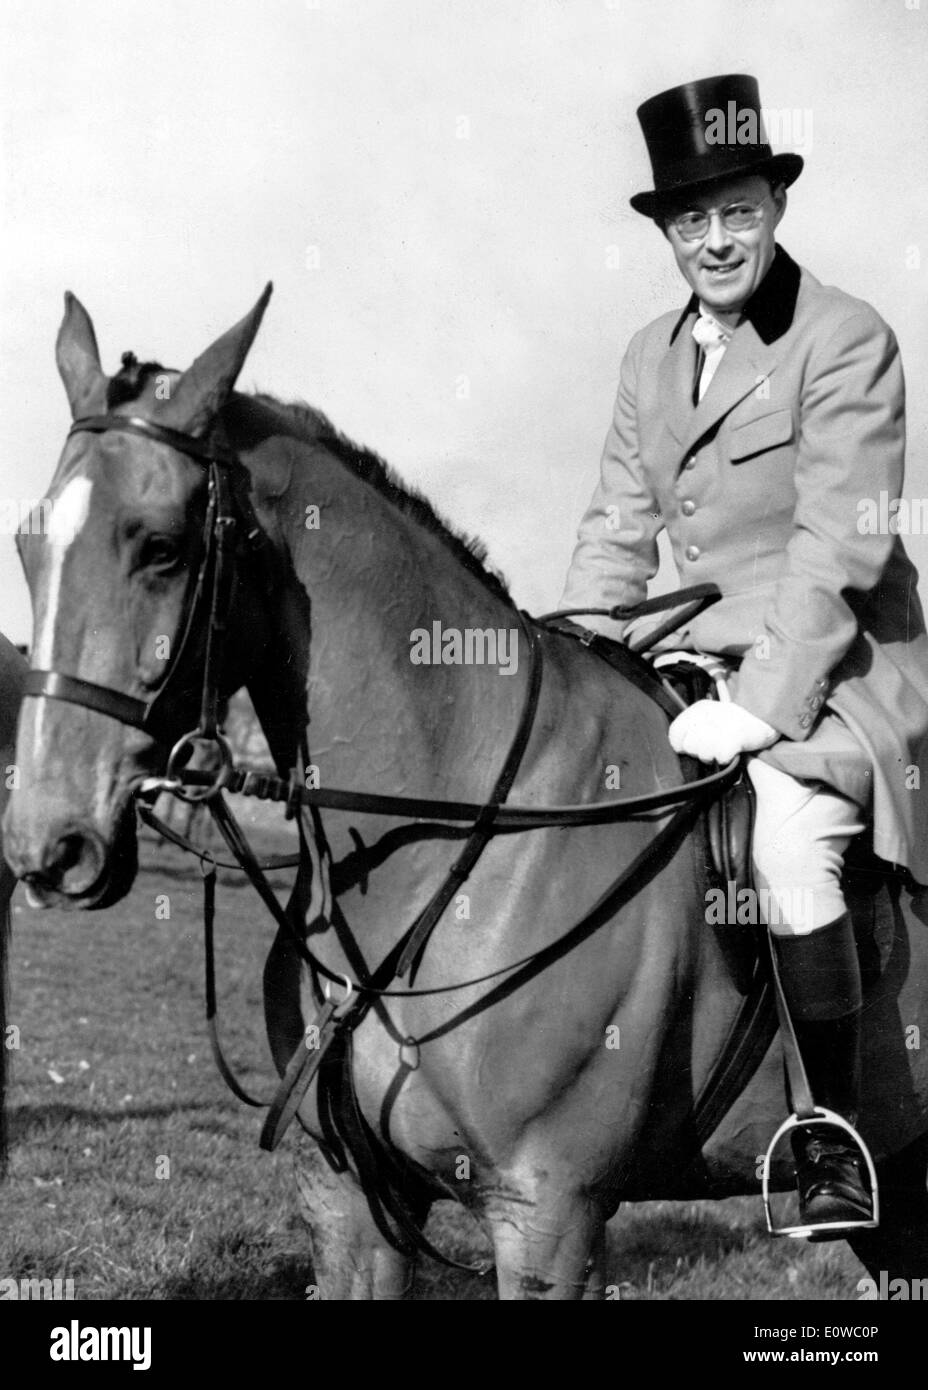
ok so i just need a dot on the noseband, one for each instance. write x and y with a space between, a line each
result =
207 596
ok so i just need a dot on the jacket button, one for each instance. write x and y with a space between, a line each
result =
804 721
692 552
816 702
688 508
690 463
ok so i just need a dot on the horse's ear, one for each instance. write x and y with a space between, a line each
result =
79 360
203 388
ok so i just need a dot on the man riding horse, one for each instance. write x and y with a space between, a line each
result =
752 427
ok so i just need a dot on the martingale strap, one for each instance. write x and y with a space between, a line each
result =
483 826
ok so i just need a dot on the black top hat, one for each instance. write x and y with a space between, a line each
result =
703 131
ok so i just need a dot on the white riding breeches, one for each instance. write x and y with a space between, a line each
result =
801 830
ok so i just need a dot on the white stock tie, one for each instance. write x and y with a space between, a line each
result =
713 339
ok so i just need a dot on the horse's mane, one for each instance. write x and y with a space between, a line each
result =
309 424
316 428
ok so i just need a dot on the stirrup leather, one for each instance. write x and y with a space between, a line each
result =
829 1117
729 818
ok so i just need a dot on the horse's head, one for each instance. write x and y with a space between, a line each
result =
113 558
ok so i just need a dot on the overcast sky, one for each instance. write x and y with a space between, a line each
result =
438 189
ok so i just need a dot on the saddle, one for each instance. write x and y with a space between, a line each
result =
675 680
729 818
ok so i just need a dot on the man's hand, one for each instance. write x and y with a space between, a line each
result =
714 731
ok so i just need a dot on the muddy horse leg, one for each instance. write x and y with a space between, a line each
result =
899 1246
549 1247
351 1257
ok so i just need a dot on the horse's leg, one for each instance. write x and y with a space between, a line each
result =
549 1246
899 1245
351 1258
596 1269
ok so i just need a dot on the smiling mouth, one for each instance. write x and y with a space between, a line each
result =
719 272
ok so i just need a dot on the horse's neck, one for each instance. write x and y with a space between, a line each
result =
363 582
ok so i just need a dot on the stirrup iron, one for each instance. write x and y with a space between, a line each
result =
829 1117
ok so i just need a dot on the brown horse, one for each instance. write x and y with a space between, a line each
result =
540 1103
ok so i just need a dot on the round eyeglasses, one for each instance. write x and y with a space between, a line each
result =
737 217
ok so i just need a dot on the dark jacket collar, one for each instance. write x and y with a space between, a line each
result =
772 305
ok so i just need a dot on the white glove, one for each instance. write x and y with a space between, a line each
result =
715 731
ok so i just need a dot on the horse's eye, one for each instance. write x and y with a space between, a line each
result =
160 553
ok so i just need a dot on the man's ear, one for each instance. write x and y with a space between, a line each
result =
778 194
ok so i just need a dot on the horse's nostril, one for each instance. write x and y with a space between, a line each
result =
68 852
73 862
74 865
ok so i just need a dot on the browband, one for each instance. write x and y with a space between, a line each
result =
134 424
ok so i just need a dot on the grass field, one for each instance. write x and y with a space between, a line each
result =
113 1076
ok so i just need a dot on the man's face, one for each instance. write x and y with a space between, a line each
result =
725 267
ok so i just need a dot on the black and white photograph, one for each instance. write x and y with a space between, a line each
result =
463 664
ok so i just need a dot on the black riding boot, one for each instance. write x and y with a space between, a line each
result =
821 980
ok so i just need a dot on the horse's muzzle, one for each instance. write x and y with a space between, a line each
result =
73 867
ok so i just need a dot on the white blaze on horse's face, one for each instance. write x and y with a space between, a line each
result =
107 578
68 514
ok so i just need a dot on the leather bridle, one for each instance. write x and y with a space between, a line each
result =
208 596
